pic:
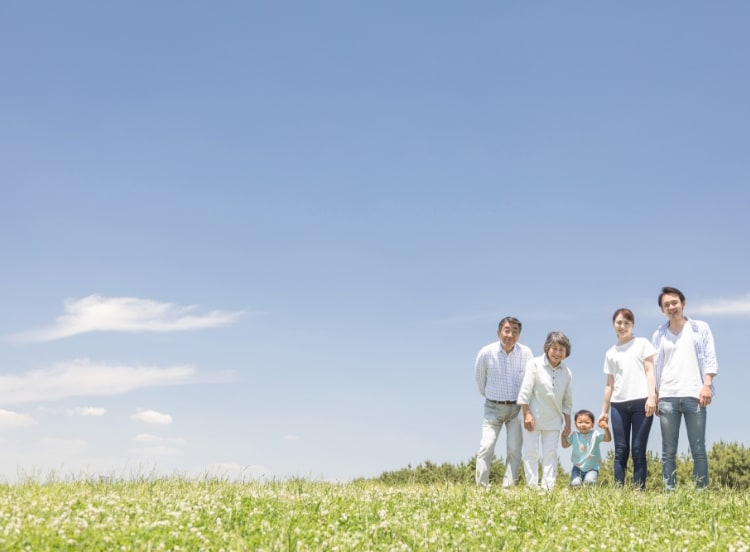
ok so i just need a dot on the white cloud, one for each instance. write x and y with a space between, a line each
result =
151 417
86 411
740 307
125 314
63 446
9 418
290 437
82 377
147 438
156 450
152 439
154 445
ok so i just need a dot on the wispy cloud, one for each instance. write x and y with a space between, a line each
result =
125 314
86 411
290 437
147 438
82 377
735 307
9 418
151 417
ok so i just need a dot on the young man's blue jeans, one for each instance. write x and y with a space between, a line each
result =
630 428
671 412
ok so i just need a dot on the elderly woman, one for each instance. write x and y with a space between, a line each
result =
546 398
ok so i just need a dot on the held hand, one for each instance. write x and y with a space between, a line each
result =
651 406
603 422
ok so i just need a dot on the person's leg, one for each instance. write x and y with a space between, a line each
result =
514 444
550 442
491 426
621 435
641 427
576 477
590 477
695 424
531 457
669 421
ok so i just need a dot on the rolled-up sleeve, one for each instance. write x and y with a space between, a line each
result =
710 364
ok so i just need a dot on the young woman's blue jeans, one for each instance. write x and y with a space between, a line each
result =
671 412
630 429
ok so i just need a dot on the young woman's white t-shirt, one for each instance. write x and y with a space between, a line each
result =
625 363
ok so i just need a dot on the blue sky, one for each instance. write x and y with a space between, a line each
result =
268 239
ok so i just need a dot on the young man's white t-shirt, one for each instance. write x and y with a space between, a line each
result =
681 375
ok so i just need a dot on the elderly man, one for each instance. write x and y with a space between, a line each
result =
499 370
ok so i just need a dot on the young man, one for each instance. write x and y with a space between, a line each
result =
498 371
685 367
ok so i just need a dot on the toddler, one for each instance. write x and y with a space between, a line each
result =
586 456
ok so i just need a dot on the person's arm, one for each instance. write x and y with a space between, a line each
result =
564 441
480 373
567 405
524 395
651 399
607 434
608 387
566 429
709 366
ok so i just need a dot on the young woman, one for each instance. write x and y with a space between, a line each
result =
631 393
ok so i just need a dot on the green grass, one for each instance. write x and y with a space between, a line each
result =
182 514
